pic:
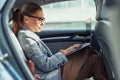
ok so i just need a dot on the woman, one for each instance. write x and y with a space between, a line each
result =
30 19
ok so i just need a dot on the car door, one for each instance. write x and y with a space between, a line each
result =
62 39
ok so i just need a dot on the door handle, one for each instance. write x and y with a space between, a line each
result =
3 57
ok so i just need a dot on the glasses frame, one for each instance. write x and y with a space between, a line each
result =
40 19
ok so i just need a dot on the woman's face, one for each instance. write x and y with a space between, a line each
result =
35 21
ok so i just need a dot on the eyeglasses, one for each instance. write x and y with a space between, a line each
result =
39 19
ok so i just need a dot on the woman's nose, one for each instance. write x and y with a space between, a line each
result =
42 23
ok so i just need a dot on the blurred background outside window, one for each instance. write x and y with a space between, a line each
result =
69 15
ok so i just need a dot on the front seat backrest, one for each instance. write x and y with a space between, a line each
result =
102 31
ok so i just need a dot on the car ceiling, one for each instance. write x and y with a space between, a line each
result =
19 3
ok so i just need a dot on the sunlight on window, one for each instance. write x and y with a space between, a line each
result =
69 15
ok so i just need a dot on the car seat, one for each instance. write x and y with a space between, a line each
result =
102 32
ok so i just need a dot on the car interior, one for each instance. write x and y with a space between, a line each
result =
12 57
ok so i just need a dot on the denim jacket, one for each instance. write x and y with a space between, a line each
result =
47 65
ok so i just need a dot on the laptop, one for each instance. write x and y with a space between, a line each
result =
84 45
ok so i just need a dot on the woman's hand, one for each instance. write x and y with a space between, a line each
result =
70 49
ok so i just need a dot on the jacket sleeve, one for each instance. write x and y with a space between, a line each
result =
41 60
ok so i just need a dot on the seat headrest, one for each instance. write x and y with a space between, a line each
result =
11 15
111 3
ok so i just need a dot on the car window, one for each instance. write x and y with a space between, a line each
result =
69 15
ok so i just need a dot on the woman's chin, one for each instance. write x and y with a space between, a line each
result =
38 30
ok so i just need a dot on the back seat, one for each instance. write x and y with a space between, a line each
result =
29 63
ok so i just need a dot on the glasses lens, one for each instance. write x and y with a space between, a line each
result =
43 19
40 19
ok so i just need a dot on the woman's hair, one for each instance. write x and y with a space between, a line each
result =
27 9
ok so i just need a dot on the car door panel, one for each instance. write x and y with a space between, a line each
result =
59 39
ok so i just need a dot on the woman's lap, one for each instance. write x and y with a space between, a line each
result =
84 64
72 68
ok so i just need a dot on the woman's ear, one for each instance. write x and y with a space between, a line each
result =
26 18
